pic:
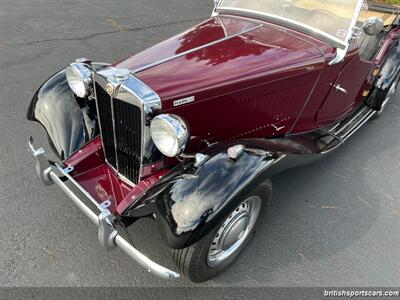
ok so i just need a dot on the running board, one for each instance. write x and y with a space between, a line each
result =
347 128
331 138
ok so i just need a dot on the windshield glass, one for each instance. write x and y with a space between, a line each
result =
332 18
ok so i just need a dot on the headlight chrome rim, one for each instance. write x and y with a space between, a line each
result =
170 134
79 78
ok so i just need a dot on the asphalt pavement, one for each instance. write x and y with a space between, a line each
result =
334 223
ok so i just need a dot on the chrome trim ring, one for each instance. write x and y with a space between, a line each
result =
234 231
85 75
178 126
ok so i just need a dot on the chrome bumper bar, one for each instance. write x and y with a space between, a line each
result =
108 236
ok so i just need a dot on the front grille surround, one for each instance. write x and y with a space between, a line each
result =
104 105
128 109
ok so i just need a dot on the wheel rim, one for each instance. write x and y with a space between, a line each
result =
234 231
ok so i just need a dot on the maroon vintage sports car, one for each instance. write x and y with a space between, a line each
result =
190 131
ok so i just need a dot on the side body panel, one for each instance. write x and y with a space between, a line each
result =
327 106
351 79
266 110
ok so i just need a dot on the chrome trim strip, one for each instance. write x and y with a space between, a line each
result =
348 123
114 133
359 124
98 115
101 130
194 49
109 239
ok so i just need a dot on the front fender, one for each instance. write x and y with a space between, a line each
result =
189 202
70 121
190 206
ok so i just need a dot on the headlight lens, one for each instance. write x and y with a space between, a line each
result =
170 134
79 79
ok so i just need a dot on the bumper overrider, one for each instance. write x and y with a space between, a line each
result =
109 238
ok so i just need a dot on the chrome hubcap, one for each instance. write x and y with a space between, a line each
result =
234 231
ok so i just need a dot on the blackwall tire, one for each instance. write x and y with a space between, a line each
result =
201 261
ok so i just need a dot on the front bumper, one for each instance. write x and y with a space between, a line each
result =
108 236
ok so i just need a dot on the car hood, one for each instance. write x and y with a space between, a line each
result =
220 52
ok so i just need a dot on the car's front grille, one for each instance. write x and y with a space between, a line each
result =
121 128
128 125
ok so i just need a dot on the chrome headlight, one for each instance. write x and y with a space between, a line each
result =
79 78
170 134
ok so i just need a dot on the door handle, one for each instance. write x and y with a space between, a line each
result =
339 88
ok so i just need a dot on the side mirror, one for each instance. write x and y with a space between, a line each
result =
373 26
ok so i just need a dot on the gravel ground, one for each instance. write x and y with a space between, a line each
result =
335 223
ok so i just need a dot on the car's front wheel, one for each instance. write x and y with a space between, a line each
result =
222 246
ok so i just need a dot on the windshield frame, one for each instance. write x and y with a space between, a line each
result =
292 24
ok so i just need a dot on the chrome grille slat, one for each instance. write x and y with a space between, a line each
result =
106 124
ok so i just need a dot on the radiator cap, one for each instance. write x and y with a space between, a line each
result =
121 75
